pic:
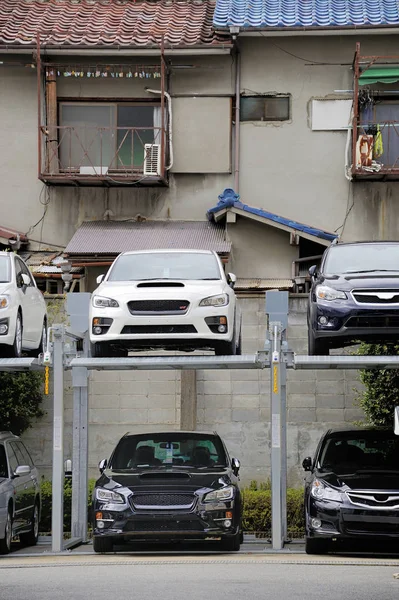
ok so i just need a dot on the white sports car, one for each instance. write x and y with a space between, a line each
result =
169 299
23 315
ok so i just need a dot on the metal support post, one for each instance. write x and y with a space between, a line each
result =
277 310
80 455
57 517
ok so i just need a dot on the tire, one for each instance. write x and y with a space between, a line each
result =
15 351
43 342
239 346
313 546
103 544
231 544
5 543
317 347
31 538
226 348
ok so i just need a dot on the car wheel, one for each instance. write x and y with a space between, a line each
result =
103 544
317 347
313 546
5 543
43 342
231 544
239 346
15 351
30 538
226 348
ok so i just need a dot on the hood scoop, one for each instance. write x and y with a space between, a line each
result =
164 475
160 284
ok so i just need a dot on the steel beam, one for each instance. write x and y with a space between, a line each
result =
57 517
80 453
302 361
20 364
246 361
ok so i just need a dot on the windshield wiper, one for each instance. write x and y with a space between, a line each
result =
374 271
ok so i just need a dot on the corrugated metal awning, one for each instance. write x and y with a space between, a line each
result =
113 237
256 284
40 263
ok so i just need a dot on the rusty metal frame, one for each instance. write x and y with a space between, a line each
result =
360 65
119 176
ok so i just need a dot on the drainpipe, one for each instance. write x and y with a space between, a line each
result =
237 122
170 141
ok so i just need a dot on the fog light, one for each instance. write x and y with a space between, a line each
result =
97 330
316 523
3 329
222 328
100 524
323 320
227 523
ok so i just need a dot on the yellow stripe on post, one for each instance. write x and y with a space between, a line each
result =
46 380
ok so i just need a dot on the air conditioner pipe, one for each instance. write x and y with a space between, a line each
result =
170 124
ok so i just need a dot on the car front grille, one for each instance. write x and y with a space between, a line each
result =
158 307
157 525
383 297
375 500
373 321
162 501
151 329
366 527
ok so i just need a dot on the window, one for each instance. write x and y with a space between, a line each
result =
3 462
107 135
265 108
12 458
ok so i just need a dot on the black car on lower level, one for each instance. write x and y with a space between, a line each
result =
167 487
352 489
354 296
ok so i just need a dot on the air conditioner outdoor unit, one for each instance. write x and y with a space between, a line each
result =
152 159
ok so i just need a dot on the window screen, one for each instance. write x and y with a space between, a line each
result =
264 108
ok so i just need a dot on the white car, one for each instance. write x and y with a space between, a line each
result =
23 314
169 299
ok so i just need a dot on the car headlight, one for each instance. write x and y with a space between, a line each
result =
326 293
320 491
103 302
219 300
4 301
109 496
222 495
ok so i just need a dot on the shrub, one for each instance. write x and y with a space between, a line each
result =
381 393
20 399
257 511
46 490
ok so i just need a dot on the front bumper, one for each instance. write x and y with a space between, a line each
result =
344 521
347 321
8 317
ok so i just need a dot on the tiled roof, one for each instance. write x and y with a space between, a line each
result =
273 14
263 284
113 237
121 23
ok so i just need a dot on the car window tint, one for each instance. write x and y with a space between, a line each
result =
361 257
3 462
165 265
27 459
168 449
12 459
18 453
369 451
5 269
24 269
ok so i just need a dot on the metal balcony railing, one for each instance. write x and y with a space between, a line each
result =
375 149
80 153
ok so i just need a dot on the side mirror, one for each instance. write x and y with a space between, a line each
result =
102 465
100 279
235 464
22 470
307 464
231 279
313 270
25 279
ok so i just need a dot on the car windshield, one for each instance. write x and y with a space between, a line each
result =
5 274
370 451
362 258
168 449
164 265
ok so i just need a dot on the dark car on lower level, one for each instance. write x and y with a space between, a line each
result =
168 487
354 296
19 493
352 489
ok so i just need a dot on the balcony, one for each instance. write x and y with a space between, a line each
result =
375 151
102 156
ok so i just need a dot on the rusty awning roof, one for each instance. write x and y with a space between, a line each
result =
110 238
108 24
7 234
257 284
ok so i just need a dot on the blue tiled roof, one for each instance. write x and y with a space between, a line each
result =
229 199
305 13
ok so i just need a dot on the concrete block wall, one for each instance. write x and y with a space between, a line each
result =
235 403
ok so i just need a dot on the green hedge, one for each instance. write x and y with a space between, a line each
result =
256 508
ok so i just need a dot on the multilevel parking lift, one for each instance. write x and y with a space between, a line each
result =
64 354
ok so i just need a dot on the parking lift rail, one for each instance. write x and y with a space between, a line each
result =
68 350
